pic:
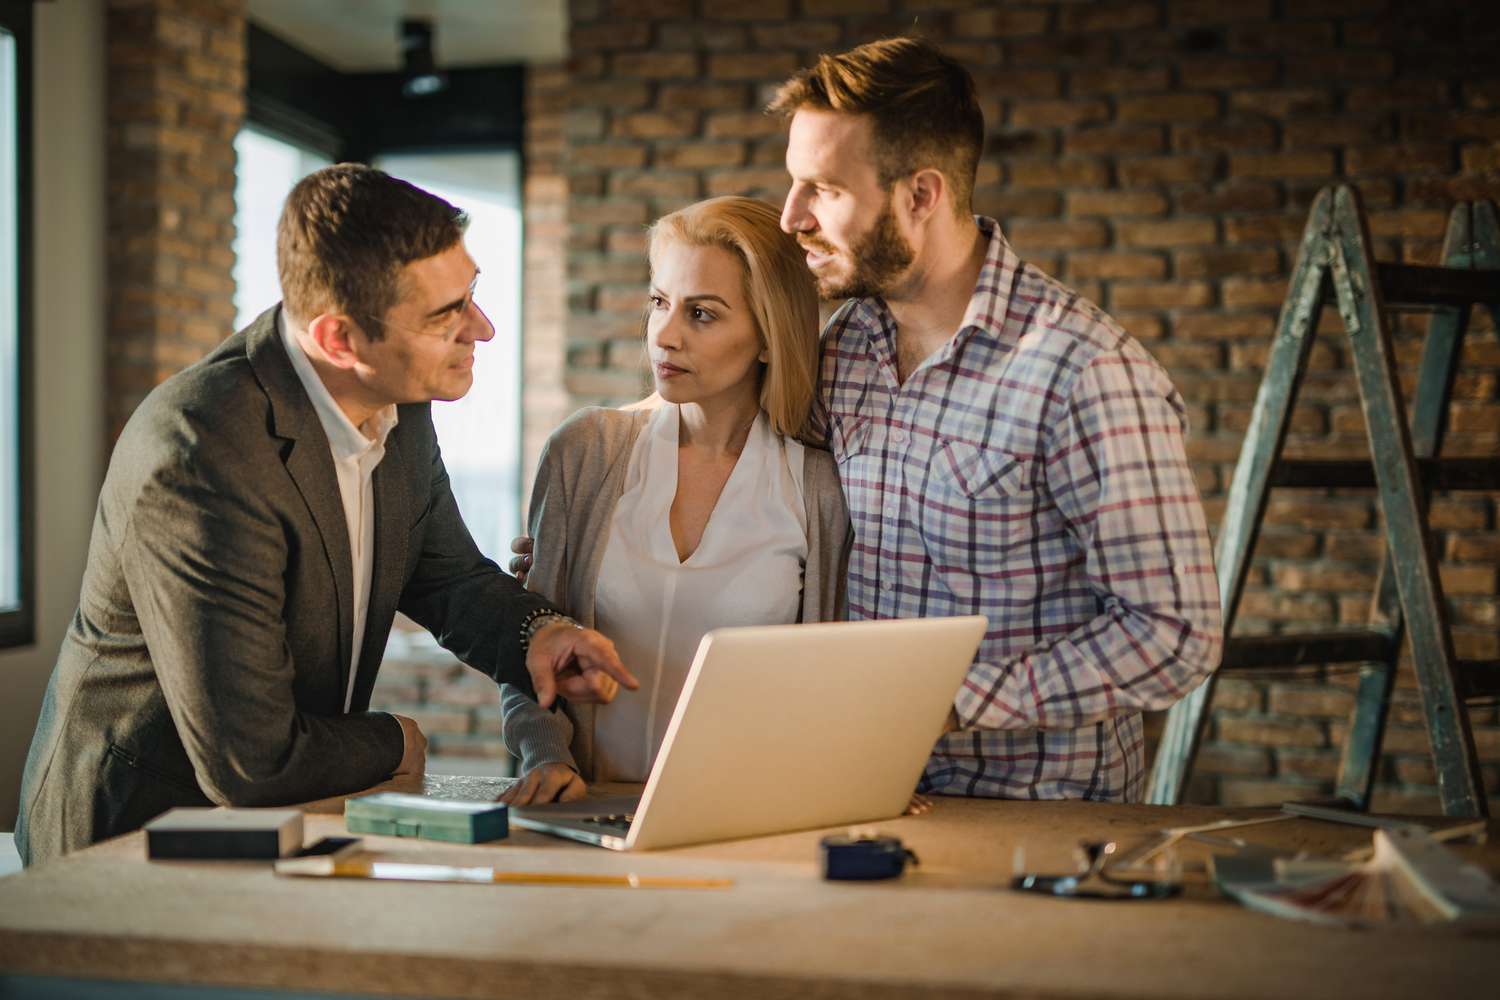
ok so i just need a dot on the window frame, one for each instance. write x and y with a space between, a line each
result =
18 625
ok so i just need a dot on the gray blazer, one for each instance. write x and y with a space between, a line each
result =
208 659
579 480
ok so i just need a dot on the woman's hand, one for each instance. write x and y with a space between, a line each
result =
546 783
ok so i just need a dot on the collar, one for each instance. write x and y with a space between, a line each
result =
985 314
344 439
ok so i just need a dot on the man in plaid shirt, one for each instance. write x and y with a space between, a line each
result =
1006 449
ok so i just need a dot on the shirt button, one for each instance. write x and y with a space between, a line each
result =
898 436
887 586
892 509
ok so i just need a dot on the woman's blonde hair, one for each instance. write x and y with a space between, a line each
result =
778 287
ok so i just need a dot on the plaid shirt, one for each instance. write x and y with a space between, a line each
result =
1032 470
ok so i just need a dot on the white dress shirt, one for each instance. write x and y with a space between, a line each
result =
747 570
356 452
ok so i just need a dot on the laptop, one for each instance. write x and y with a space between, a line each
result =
786 727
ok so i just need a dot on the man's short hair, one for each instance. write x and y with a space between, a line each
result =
346 232
923 105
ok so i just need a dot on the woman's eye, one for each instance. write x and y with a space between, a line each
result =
657 302
702 315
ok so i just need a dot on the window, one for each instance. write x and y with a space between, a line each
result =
480 434
266 170
17 613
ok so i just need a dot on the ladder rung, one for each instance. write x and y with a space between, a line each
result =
1249 652
1478 678
1417 285
1436 473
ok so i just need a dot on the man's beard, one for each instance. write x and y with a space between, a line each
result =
879 257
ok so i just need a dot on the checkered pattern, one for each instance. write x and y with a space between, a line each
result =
1032 471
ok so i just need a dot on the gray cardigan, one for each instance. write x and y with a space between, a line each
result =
579 480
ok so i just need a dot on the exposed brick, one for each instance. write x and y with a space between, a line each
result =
707 36
1109 266
1481 157
1114 139
1110 17
1264 229
1344 130
656 125
1222 263
752 65
655 184
749 181
1281 165
613 211
609 155
1428 223
1116 203
654 65
1003 203
1224 136
703 96
1063 173
1063 235
996 21
1477 580
1146 170
1313 513
802 33
1239 196
1221 73
1205 12
1061 50
752 10
1167 232
1169 108
825 8
1282 104
1398 159
1057 114
1010 83
1216 758
1114 80
1245 292
1312 765
693 155
609 35
741 125
1474 548
1176 295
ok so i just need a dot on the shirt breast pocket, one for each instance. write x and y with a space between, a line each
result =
980 506
848 439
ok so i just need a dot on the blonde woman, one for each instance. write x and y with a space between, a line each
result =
700 508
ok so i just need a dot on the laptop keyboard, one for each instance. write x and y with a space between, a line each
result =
620 821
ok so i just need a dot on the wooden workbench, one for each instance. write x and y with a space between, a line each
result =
947 930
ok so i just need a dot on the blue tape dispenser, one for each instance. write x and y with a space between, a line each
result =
863 855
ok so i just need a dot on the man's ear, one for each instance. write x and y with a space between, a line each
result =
925 190
334 335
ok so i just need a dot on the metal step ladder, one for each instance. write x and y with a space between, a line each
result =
1335 259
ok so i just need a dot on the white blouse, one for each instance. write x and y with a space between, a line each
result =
747 570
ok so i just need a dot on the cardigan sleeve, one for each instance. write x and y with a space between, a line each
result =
535 735
828 540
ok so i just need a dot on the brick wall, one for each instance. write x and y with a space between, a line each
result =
1160 157
176 81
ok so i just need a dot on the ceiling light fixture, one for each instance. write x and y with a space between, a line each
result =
417 63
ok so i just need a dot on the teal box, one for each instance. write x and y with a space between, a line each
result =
394 814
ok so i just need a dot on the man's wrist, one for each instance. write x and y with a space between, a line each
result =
538 620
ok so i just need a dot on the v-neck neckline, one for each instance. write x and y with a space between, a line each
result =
673 439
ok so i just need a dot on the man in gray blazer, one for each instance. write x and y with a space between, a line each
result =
265 514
